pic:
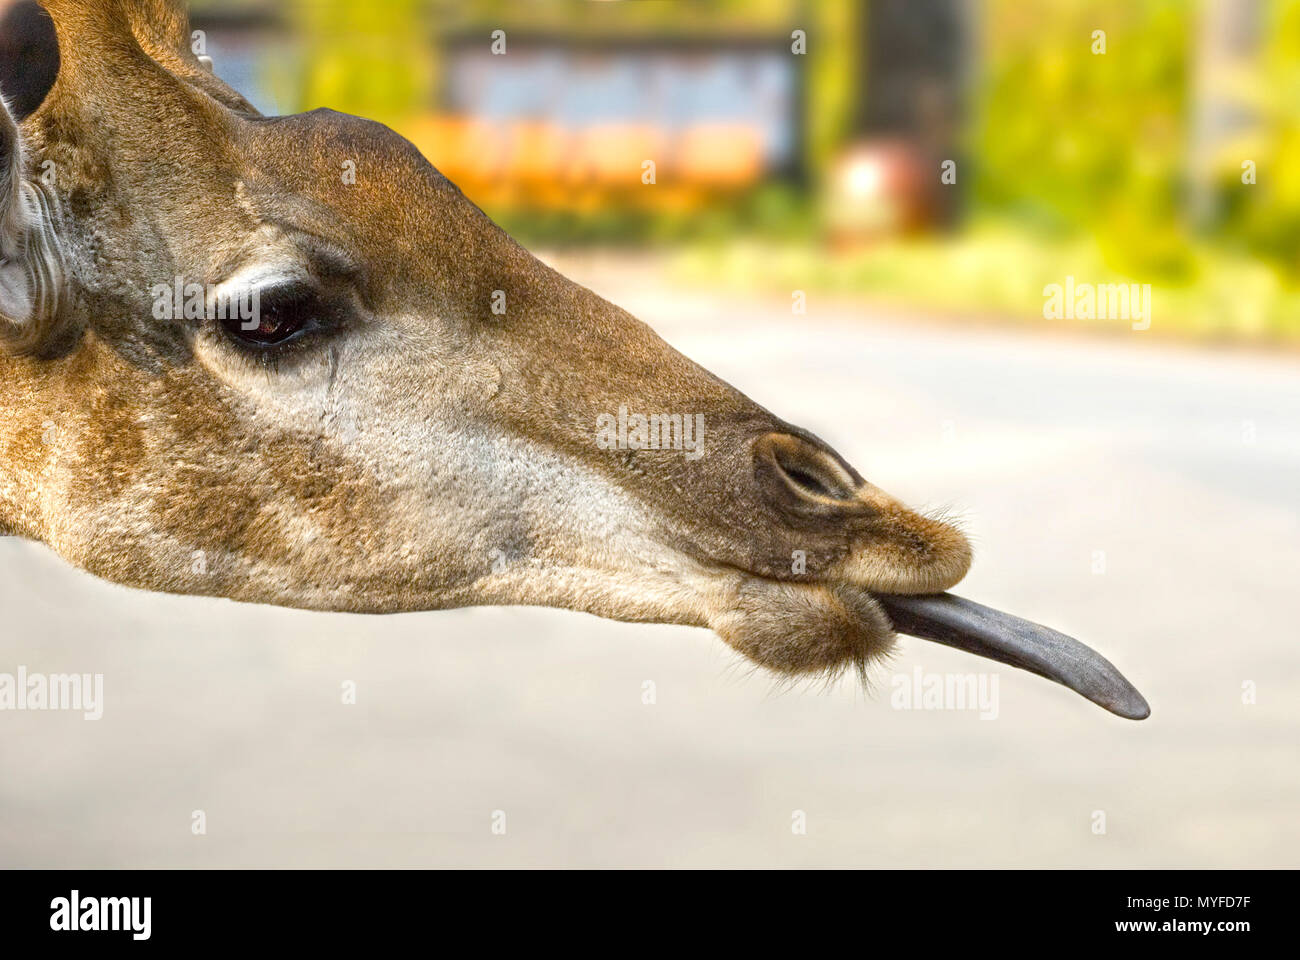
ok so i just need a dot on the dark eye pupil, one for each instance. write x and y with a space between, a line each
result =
275 324
277 319
272 326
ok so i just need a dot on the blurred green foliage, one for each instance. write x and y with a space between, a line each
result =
1070 141
774 212
1067 139
1265 219
1092 165
372 59
830 82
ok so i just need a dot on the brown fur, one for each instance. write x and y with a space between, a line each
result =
431 453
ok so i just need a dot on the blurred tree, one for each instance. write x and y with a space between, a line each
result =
1228 41
1263 216
1070 139
377 60
834 31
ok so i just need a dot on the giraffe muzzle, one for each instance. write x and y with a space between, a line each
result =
903 560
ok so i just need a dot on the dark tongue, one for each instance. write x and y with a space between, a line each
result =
957 622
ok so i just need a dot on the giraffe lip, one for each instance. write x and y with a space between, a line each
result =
975 628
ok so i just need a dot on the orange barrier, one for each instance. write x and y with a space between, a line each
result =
542 165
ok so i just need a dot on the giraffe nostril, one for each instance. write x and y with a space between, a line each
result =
796 471
809 482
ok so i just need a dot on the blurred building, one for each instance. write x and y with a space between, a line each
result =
556 111
560 122
564 105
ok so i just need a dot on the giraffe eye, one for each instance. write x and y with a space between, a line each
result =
279 315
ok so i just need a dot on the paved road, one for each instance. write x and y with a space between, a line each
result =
1142 497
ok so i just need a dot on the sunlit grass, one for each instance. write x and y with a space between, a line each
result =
1000 274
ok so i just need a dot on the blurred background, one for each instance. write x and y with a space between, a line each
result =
855 211
802 144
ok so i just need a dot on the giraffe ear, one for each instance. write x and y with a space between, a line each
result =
28 266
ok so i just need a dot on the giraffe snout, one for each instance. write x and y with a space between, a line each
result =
887 547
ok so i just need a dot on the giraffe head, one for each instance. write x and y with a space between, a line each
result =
284 360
